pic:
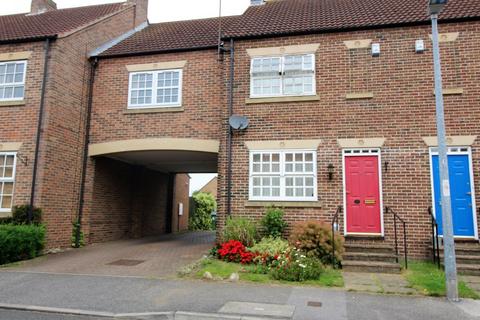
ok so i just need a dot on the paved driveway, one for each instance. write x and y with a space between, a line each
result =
158 256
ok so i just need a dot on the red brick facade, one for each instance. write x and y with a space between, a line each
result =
62 137
402 111
130 199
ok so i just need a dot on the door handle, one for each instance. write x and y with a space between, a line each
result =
469 193
357 201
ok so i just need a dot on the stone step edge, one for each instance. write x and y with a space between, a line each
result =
370 254
360 263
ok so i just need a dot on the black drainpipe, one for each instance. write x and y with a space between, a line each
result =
39 129
78 228
230 133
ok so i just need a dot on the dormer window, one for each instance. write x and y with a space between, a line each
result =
290 75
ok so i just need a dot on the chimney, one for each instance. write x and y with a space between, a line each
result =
41 6
256 2
141 11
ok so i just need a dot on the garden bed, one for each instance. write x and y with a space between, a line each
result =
221 270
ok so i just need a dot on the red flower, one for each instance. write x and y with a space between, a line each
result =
235 251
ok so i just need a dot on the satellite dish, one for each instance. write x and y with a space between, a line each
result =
238 122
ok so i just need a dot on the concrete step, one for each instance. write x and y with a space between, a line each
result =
465 259
468 269
370 266
371 248
465 250
369 256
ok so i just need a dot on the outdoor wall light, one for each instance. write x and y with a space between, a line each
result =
330 171
386 166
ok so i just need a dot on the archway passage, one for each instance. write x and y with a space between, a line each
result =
140 188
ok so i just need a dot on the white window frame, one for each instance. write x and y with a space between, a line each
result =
155 87
282 175
24 62
12 179
282 77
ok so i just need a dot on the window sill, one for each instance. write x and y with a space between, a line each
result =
153 110
12 103
285 204
282 99
4 214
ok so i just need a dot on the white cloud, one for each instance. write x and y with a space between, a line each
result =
159 10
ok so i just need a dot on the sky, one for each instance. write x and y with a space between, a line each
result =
198 180
159 10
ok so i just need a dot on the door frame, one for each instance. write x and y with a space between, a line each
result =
362 152
464 150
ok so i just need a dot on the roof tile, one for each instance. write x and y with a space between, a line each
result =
298 16
52 23
169 36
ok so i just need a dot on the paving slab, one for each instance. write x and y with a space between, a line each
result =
377 282
284 311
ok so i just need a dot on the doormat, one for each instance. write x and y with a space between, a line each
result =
125 262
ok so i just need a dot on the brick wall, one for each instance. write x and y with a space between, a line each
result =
181 195
402 111
202 112
202 103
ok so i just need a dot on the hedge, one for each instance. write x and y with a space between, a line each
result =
20 242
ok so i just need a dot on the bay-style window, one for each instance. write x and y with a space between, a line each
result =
153 89
290 75
12 80
7 180
286 175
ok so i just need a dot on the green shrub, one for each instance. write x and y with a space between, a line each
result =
20 214
205 205
296 266
75 228
271 246
273 222
315 239
240 229
20 242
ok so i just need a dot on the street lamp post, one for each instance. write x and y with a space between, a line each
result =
448 241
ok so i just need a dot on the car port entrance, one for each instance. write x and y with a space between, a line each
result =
139 188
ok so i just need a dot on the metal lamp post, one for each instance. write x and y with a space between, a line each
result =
435 7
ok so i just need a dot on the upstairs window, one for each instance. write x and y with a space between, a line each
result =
12 80
292 75
155 89
7 180
283 175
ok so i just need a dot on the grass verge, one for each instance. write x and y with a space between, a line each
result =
221 269
430 281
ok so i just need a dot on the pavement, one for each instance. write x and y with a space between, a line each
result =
23 294
377 282
160 256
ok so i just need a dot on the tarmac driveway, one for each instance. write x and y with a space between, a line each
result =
159 256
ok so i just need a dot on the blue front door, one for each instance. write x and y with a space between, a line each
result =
461 193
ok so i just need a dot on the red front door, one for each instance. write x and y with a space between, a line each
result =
362 187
